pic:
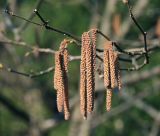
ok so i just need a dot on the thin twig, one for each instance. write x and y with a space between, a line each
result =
45 24
30 75
25 24
146 61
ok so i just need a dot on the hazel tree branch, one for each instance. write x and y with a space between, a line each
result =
140 52
30 75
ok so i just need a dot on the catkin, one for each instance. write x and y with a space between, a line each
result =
118 73
64 66
66 100
112 69
59 85
93 38
61 78
83 101
87 71
106 60
55 72
108 99
89 74
91 67
111 72
66 59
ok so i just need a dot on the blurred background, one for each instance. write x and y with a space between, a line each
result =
28 106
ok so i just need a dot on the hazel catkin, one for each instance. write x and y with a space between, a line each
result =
83 96
58 80
61 78
89 74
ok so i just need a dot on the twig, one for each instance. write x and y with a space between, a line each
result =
30 75
45 24
131 53
25 24
146 61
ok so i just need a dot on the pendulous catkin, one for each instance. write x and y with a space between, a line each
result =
118 73
111 72
61 78
90 66
89 74
112 69
87 71
58 80
106 60
83 96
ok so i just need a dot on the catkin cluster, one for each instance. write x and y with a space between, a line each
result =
87 72
111 72
61 78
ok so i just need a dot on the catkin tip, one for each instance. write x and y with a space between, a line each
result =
108 99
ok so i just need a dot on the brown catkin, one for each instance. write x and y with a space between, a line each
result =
66 100
83 101
55 72
106 59
59 81
64 67
108 99
89 74
118 73
91 67
112 69
66 59
93 38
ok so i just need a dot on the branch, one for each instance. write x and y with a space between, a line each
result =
146 61
30 75
25 24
